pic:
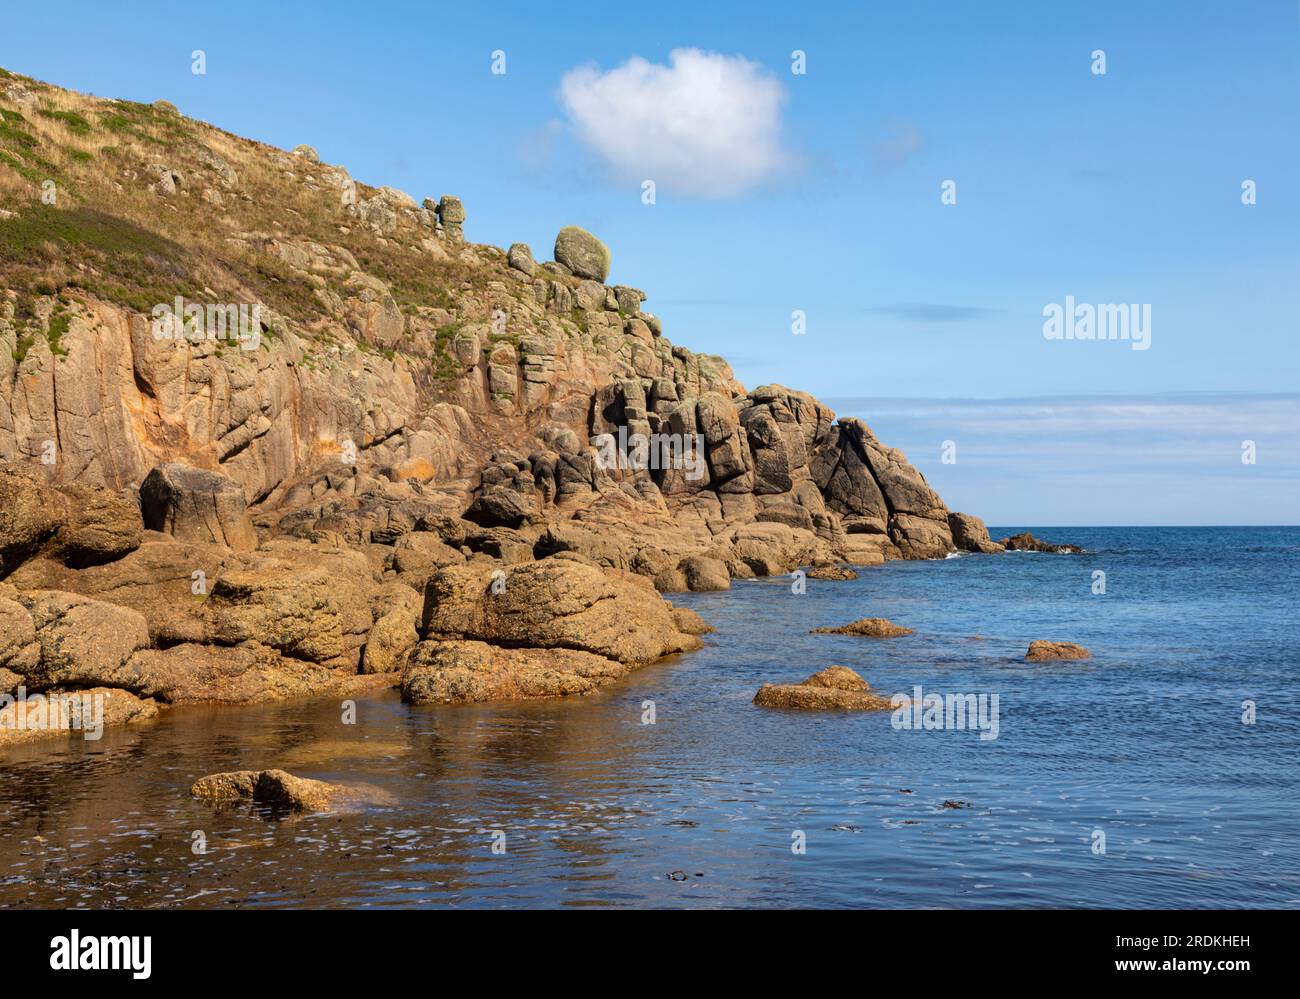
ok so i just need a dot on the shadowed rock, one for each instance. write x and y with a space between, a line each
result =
194 504
1026 542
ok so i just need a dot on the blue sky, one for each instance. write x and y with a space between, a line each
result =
924 318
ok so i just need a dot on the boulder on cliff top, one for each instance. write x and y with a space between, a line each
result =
582 253
834 688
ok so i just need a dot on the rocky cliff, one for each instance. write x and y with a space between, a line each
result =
222 358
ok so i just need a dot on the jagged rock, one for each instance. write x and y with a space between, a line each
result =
304 612
1043 650
418 555
582 254
451 213
1026 542
20 653
168 181
194 504
970 535
276 789
834 688
248 673
500 507
868 627
76 523
307 153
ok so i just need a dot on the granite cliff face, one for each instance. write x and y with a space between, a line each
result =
223 359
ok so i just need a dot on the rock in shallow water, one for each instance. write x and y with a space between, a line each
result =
836 688
1043 650
276 788
1026 542
867 627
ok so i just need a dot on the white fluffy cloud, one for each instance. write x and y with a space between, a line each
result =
706 124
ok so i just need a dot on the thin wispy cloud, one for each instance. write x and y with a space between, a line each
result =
933 312
706 125
1123 459
903 142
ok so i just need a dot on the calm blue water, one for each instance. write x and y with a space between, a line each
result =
1144 743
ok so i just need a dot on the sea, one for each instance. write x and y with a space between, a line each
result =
1164 771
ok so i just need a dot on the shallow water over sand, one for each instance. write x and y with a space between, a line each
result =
1144 742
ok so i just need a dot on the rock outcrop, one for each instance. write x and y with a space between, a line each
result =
836 688
970 535
1026 542
867 627
1042 650
540 629
394 451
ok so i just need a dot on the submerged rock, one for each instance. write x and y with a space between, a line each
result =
835 688
834 572
867 627
275 788
1040 650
